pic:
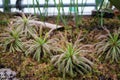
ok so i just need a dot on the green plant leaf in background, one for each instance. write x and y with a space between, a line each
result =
5 4
116 3
98 2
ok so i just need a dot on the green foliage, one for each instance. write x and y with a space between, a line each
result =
39 10
6 7
102 4
12 42
23 25
109 48
71 61
97 3
40 46
115 3
4 22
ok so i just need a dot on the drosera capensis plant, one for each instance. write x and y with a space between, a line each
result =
71 60
22 24
108 49
40 46
12 41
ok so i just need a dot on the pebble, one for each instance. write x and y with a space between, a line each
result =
7 74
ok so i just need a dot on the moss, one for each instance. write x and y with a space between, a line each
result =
29 69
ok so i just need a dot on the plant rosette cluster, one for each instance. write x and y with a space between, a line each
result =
40 47
108 49
24 24
71 60
12 41
15 39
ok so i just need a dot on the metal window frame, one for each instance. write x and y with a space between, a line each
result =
41 5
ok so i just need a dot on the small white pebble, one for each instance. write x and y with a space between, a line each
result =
6 74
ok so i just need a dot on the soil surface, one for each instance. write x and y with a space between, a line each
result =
29 69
